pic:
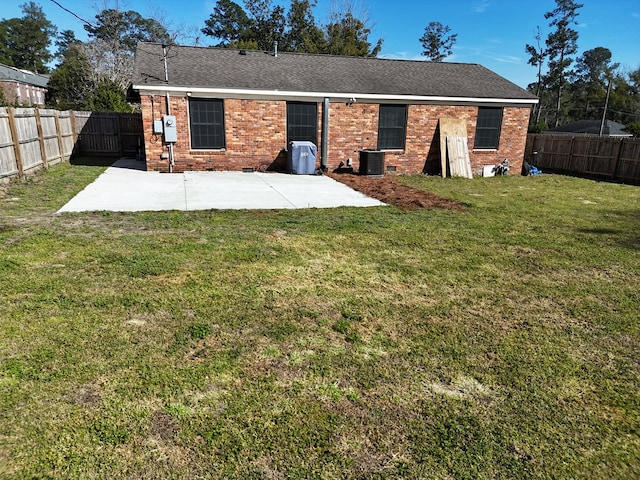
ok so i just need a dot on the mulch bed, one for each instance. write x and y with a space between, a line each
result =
388 189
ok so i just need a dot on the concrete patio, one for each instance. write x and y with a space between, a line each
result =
124 187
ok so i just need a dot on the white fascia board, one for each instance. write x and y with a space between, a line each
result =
333 96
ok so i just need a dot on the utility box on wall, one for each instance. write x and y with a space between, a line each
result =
170 131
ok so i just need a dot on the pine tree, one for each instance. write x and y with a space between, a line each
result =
303 35
436 41
25 41
561 44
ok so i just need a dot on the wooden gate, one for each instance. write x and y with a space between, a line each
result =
108 134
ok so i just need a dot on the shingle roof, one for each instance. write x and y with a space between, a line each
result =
216 68
22 76
593 127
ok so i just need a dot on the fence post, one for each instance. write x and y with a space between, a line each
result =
16 140
56 118
570 158
74 132
616 159
119 134
43 151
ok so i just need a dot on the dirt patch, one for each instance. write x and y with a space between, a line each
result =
388 189
88 395
164 425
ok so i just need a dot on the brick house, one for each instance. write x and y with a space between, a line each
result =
237 109
23 87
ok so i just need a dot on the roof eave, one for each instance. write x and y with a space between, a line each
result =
333 96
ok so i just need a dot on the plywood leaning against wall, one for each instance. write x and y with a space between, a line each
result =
454 150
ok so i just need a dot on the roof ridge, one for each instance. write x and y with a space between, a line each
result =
308 54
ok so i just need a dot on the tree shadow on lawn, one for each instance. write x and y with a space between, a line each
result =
627 238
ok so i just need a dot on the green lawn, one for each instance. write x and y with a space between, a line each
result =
500 342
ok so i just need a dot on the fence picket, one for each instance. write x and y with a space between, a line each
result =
31 139
600 157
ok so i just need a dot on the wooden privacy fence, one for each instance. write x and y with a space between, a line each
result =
33 138
599 157
108 134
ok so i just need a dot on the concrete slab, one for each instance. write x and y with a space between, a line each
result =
123 187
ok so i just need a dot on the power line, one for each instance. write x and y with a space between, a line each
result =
72 13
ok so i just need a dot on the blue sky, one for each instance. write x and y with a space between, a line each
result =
490 32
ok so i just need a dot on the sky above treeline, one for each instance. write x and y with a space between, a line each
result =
492 33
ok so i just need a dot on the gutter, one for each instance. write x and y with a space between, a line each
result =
332 96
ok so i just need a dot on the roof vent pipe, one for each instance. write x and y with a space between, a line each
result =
275 49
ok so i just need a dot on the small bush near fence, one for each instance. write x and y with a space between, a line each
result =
32 138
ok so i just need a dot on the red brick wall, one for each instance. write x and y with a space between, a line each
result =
256 133
29 94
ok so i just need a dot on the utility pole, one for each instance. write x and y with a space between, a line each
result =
606 105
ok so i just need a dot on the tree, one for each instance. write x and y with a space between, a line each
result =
349 35
264 24
66 39
5 51
112 43
25 41
537 57
436 41
108 97
229 23
268 23
123 30
73 81
303 34
593 73
624 102
561 44
259 28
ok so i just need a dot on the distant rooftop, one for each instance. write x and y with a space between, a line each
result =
8 73
611 128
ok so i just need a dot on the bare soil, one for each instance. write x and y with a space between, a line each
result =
388 189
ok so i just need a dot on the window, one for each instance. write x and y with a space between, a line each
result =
302 122
488 128
206 117
392 126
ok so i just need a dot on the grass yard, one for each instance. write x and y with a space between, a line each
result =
498 342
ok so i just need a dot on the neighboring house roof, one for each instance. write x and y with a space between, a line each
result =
13 74
220 71
611 128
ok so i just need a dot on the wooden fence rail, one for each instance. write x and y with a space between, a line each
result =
37 138
616 159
